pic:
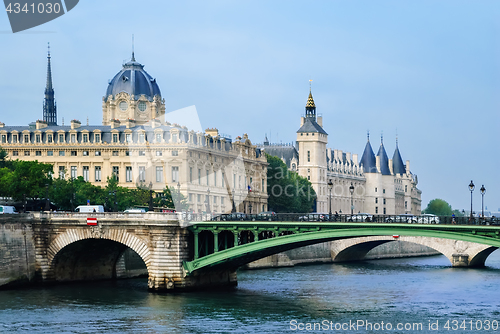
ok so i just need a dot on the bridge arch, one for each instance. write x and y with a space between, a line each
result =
356 248
461 243
89 241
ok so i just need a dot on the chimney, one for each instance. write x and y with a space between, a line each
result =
355 159
130 123
213 132
75 124
319 120
302 119
114 123
2 125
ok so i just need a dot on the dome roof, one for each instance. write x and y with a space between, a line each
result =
132 79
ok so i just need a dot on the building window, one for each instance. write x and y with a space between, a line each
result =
308 156
158 153
199 176
263 184
158 137
97 153
174 138
215 179
142 174
73 153
190 197
61 138
127 153
37 138
97 138
85 153
375 189
159 174
406 188
190 154
384 201
141 137
115 137
97 173
175 153
222 180
86 176
38 153
383 191
49 139
116 172
406 205
384 211
376 209
26 138
175 174
50 153
128 138
128 174
115 153
15 153
61 153
190 174
73 138
85 138
4 139
74 172
207 171
62 172
309 177
142 153
198 198
26 153
221 200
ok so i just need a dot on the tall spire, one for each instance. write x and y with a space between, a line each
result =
310 106
133 56
49 103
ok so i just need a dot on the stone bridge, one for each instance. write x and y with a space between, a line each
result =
61 247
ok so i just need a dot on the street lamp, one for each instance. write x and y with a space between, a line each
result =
233 210
471 188
330 186
150 208
178 196
208 200
47 203
483 190
351 189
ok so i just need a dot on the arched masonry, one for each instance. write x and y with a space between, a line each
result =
460 253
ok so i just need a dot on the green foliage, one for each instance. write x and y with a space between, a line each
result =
25 179
172 198
287 190
439 207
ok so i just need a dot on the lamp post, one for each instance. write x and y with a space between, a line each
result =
178 204
483 190
351 190
471 188
233 210
208 200
47 203
150 208
330 186
250 208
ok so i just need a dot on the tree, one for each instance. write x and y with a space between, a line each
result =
439 207
172 198
287 190
28 179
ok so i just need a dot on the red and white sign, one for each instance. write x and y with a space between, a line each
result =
395 236
91 221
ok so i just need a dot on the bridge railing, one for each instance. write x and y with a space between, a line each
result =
360 217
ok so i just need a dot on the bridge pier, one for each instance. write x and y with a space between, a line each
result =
460 260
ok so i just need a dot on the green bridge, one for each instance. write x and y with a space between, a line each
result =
221 245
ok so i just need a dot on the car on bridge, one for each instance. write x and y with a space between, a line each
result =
314 217
267 215
402 218
428 218
361 217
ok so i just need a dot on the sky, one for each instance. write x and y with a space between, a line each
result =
426 72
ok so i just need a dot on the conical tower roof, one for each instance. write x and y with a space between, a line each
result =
310 101
368 159
384 160
397 162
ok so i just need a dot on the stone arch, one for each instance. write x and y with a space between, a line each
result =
71 236
357 248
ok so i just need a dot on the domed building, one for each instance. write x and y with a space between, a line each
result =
141 149
132 94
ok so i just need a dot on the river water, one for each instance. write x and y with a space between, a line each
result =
420 295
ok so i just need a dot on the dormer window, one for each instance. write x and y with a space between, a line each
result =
61 138
49 139
115 138
14 139
142 106
123 106
26 138
73 138
85 138
97 138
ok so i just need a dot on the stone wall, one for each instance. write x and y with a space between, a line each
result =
17 251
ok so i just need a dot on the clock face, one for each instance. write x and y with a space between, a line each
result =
123 105
142 106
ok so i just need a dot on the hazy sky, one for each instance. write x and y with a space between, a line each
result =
427 71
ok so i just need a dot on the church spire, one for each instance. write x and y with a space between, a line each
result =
310 106
49 104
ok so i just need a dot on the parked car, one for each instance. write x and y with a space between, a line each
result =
428 218
236 216
266 215
89 208
402 218
314 217
361 217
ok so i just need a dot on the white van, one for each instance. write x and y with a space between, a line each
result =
90 208
7 209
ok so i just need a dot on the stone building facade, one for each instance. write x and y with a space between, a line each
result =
214 172
379 185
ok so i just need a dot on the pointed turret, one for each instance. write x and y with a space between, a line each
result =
310 107
368 159
309 121
49 103
397 162
384 160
